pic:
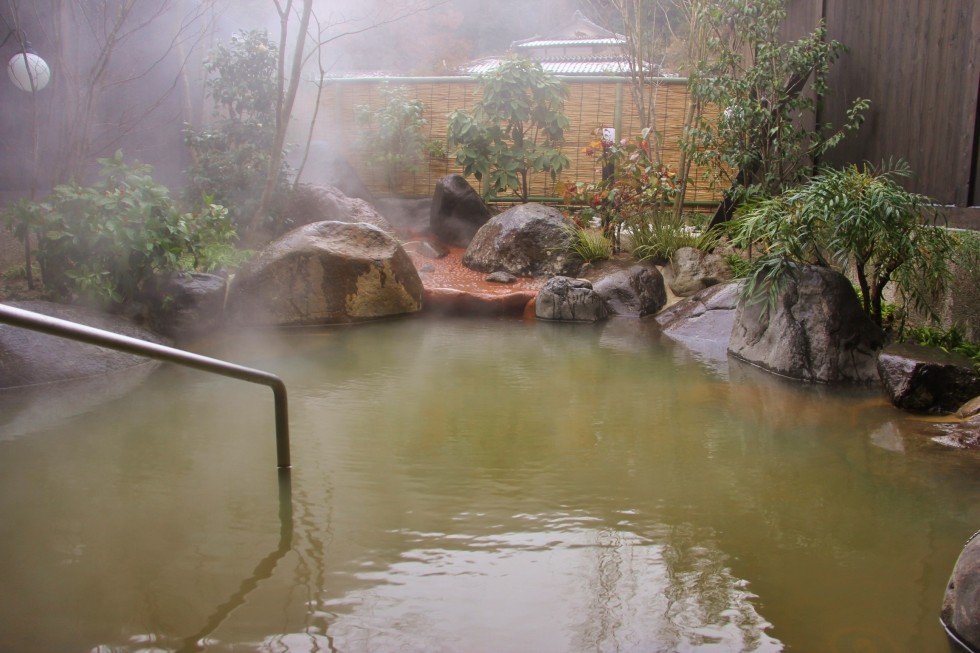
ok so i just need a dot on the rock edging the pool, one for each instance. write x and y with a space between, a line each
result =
29 358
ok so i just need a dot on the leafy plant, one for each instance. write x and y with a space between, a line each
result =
633 186
393 135
232 153
758 140
516 128
854 219
107 240
950 340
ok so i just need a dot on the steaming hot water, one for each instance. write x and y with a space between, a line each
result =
463 485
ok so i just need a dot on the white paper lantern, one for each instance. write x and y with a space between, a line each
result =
22 67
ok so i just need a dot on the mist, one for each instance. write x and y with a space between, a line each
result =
133 81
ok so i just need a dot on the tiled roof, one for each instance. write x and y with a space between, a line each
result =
567 42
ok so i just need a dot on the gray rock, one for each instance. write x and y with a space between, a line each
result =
528 240
29 358
691 271
635 292
186 304
927 378
961 603
500 277
326 273
817 330
969 409
310 203
963 434
703 323
457 211
569 300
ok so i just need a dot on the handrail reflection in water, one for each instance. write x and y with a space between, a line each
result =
82 333
263 570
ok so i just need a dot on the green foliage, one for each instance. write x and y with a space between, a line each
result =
105 241
590 244
232 152
950 340
516 128
741 268
856 219
757 84
394 134
659 234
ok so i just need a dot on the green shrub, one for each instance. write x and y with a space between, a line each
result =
232 152
516 128
857 219
950 340
393 135
763 85
105 241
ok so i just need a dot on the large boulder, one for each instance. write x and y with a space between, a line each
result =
569 300
311 203
816 331
961 603
635 292
326 273
927 378
703 323
457 211
528 240
29 358
187 303
691 271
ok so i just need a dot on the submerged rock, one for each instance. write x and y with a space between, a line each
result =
817 330
703 323
529 240
927 378
326 273
569 300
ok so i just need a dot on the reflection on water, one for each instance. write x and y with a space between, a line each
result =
480 486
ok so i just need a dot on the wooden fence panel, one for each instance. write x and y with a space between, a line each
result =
918 61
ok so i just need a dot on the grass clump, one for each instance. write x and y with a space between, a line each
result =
659 235
590 244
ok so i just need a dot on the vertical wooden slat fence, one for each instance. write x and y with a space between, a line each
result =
592 103
918 61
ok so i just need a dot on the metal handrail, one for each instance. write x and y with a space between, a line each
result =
72 330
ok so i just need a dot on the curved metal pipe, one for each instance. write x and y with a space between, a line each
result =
73 331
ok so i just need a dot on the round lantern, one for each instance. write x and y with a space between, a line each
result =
28 71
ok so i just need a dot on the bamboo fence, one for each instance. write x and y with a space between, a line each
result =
593 103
